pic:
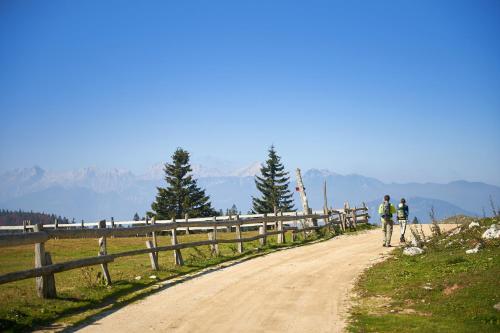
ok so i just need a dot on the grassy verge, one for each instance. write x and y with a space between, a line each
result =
82 293
442 290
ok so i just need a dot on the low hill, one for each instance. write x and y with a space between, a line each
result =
8 217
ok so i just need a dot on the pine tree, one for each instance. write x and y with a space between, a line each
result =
233 210
136 217
273 185
182 195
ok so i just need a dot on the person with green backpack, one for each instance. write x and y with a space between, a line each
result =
403 212
386 210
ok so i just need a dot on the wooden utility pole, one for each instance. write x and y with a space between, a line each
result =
305 205
325 204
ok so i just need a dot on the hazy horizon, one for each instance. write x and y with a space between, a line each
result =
229 169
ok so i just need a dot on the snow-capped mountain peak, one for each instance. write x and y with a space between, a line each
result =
248 171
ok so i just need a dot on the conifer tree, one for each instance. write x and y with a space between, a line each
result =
273 185
182 195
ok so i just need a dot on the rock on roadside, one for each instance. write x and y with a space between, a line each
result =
474 250
412 251
492 233
473 224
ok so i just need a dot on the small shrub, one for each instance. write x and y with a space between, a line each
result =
455 260
91 279
436 230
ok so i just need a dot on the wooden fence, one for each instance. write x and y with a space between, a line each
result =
279 223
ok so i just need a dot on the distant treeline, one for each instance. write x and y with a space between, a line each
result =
9 217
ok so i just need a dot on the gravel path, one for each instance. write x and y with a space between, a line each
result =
303 289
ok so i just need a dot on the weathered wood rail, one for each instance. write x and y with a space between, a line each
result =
280 223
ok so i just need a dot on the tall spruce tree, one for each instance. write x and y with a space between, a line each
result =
273 185
182 195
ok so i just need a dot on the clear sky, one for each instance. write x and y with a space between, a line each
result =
399 90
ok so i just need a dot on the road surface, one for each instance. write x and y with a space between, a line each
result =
303 289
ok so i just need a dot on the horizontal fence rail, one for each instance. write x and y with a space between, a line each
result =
44 270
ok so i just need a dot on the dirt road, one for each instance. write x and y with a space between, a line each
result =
303 289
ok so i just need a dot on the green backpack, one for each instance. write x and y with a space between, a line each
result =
402 212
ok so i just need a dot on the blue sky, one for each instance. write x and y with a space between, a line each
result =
399 90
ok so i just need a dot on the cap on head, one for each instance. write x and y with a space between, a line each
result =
403 200
387 197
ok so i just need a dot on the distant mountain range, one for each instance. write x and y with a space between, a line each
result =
93 194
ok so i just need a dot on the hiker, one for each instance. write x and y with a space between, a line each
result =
402 218
385 210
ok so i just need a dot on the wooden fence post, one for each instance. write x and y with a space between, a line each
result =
51 281
153 234
56 224
177 253
210 236
263 231
304 234
45 284
112 225
82 225
102 252
296 225
342 220
281 235
325 208
327 219
216 246
238 234
354 218
152 244
153 256
24 225
186 219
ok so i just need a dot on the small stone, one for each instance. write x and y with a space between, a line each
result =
412 251
497 306
138 278
473 224
153 277
492 232
474 250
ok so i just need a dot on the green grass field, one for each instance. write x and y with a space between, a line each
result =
442 290
82 293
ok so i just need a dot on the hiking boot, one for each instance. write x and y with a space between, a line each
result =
384 245
389 245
